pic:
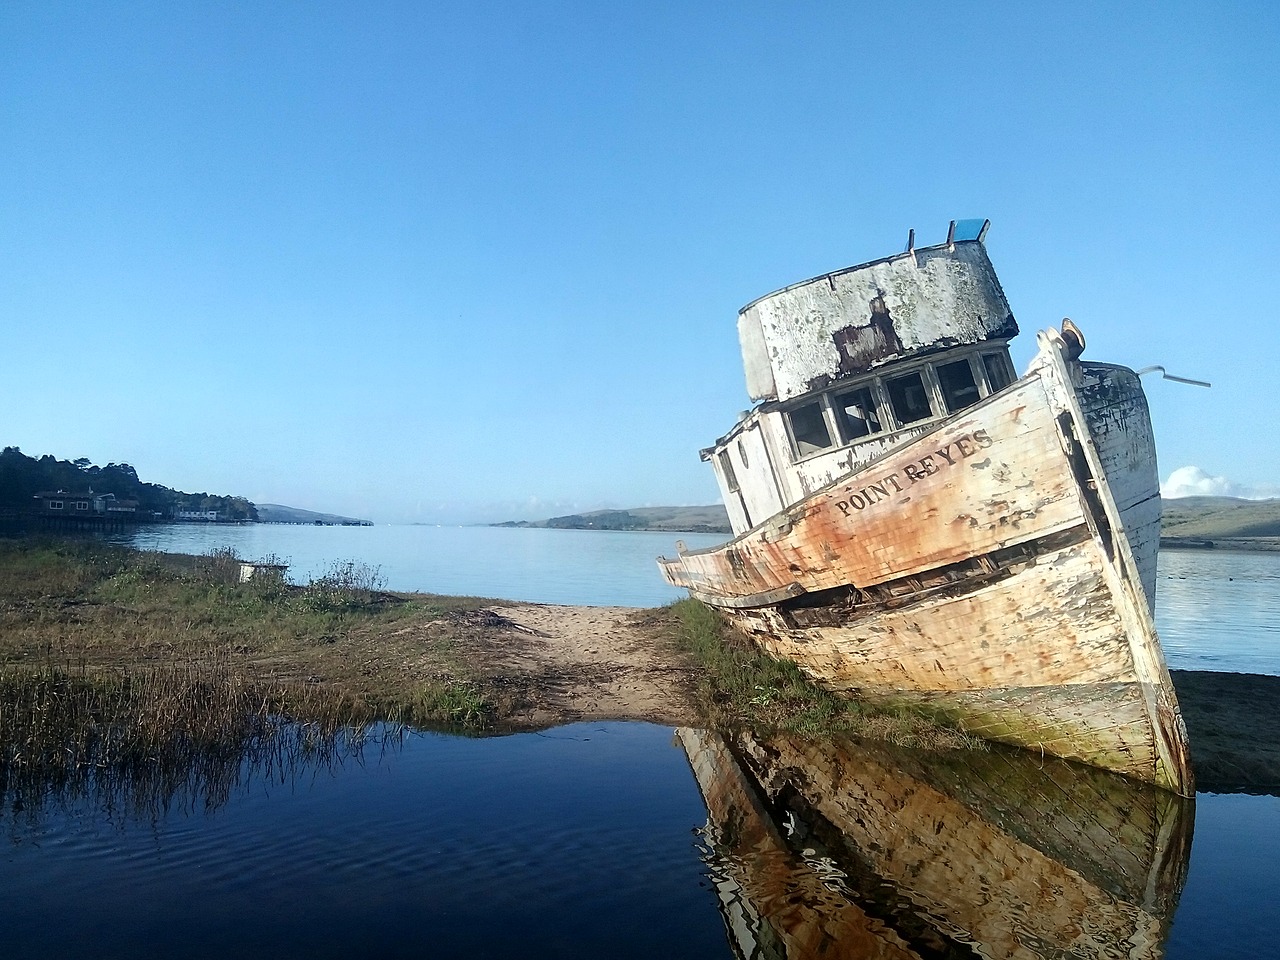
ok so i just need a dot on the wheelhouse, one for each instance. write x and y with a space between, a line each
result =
902 344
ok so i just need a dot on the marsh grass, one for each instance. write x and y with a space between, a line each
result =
740 685
107 609
451 702
137 743
139 680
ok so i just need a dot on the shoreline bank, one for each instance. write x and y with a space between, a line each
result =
429 659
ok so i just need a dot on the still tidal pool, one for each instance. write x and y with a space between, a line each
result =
574 842
629 840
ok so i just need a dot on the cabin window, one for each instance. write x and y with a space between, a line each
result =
742 452
857 414
909 398
81 505
959 389
726 469
999 375
809 429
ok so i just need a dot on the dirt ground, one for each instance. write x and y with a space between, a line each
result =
559 664
562 664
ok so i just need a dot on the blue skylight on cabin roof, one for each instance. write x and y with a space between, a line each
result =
968 229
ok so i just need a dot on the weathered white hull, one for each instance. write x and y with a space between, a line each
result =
997 571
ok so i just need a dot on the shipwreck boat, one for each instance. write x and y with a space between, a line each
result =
915 524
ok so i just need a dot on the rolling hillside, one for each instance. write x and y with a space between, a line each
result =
1189 521
1220 517
278 513
708 519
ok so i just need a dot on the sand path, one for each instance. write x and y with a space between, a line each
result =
559 664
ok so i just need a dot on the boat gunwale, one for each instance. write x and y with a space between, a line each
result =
1125 583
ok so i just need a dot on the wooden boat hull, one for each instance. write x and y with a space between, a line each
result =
836 848
996 571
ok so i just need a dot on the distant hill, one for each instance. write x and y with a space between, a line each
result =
278 513
1220 518
1243 522
709 519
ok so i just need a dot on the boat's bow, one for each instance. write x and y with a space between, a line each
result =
984 571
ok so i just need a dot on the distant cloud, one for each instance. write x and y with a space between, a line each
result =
1194 482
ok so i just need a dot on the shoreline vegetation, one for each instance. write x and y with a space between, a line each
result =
343 650
116 651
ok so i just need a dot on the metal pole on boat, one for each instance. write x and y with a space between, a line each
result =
1170 376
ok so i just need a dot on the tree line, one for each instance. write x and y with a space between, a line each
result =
22 477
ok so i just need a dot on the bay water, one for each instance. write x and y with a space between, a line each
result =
588 567
585 840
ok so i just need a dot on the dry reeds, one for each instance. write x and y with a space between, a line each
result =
135 743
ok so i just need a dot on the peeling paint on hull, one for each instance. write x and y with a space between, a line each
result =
996 570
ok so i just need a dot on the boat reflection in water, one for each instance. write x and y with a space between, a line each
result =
821 849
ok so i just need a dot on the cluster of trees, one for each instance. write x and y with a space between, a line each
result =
22 477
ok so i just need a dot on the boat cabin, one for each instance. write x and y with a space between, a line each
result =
846 366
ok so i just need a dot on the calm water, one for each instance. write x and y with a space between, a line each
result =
572 843
598 839
591 567
1218 610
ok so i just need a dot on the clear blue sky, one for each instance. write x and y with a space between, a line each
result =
452 262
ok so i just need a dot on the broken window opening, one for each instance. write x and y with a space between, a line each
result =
999 374
909 398
959 388
726 470
809 429
857 414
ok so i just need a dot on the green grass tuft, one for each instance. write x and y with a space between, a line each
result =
450 703
741 685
